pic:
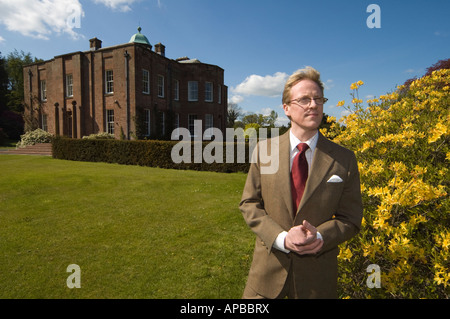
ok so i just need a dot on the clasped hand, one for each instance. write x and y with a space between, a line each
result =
302 239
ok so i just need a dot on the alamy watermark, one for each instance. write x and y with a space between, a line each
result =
239 139
374 279
374 19
73 19
74 279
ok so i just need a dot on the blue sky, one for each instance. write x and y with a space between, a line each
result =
257 43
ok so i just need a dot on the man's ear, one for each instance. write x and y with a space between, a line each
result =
287 110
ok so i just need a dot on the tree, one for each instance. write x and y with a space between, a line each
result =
12 92
3 84
14 67
441 64
266 121
233 113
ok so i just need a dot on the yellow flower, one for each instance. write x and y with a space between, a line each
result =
441 275
439 130
345 254
331 119
356 85
340 103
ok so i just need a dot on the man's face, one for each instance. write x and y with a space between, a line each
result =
305 118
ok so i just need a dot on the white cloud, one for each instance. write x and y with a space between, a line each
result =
236 99
269 85
282 120
328 84
266 111
121 5
2 39
40 19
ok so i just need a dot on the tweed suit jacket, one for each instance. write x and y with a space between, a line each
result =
334 208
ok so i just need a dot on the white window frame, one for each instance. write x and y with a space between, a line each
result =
193 91
69 85
162 119
160 85
191 124
43 86
44 118
209 123
209 88
110 121
145 81
176 124
109 81
147 122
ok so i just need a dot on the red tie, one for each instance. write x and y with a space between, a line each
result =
299 174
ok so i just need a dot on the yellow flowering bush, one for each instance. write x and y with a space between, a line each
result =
401 141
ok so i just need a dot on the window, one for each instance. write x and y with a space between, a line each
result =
110 121
109 80
145 82
191 119
192 91
44 122
176 91
43 90
160 86
147 122
219 93
162 121
176 126
208 92
69 85
208 124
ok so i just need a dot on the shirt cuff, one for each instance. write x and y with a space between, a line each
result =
279 241
319 236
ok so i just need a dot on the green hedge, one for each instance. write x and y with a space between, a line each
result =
143 153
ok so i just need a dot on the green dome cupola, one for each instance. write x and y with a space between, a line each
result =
140 38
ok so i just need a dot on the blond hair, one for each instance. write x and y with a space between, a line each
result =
299 75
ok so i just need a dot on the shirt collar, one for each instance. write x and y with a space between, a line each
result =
312 142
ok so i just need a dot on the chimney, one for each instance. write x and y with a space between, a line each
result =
95 44
160 49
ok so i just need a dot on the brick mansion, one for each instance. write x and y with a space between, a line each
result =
127 90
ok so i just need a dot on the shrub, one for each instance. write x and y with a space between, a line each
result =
34 137
143 153
100 136
401 141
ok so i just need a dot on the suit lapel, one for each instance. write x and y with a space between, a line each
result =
284 174
322 162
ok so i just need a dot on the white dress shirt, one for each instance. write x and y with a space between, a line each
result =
309 153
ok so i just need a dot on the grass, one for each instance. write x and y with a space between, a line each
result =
135 232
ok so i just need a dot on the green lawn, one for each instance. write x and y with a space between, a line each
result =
135 232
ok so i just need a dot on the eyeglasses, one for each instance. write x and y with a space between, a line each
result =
306 101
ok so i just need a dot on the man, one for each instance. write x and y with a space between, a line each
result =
301 217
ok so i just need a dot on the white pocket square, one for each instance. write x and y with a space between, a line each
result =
335 179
